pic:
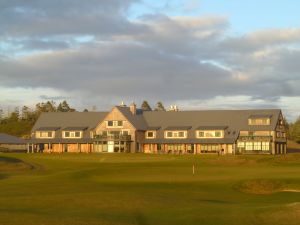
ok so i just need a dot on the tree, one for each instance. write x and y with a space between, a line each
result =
1 114
25 112
294 131
45 107
159 107
145 106
64 107
85 110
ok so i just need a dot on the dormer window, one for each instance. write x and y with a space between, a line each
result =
259 120
175 134
45 134
72 134
210 134
150 134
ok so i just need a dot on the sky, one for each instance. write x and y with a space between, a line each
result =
197 54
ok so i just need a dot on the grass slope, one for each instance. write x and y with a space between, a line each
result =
149 189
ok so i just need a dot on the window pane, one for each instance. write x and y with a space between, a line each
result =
120 123
181 134
110 123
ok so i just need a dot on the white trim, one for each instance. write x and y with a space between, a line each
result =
154 134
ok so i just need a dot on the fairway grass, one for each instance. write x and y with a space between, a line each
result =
96 189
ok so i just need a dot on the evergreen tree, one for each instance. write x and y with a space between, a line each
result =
64 107
25 112
159 107
145 106
1 114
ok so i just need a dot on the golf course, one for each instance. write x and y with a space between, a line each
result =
96 189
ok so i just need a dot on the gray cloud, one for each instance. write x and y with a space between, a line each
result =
155 57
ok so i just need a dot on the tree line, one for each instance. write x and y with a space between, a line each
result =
20 122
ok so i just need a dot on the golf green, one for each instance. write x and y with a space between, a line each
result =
84 189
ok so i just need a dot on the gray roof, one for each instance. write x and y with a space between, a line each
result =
74 128
178 128
235 120
212 127
9 139
69 119
48 128
137 120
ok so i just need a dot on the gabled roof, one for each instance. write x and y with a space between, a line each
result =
9 139
136 120
69 119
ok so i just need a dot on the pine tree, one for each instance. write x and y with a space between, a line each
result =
64 107
159 107
145 106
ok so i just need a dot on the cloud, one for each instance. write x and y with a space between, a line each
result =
96 55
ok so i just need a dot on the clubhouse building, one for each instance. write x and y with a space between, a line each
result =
128 129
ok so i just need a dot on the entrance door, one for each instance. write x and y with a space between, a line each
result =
110 146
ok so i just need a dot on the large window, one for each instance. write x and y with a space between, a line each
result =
257 146
249 146
72 134
114 123
265 146
205 148
175 134
210 134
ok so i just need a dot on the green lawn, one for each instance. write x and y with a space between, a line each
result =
82 189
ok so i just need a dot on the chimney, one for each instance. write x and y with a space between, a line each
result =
132 108
122 104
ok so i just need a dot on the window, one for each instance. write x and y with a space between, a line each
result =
249 146
175 134
45 134
210 148
72 134
200 134
241 144
125 132
150 134
257 146
210 134
115 123
265 146
259 121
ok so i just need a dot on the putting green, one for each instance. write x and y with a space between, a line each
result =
83 189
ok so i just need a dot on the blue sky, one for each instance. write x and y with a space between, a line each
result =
243 15
205 54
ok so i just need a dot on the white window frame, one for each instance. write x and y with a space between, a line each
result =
209 131
154 134
72 134
38 134
175 134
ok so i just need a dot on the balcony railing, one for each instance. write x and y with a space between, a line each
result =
255 138
113 137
